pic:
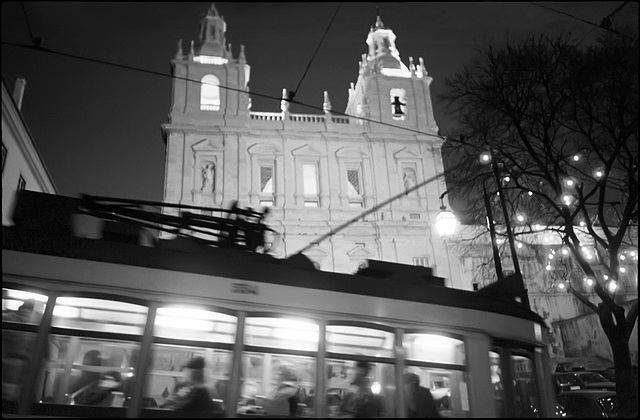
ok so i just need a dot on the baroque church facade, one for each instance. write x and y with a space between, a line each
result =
315 173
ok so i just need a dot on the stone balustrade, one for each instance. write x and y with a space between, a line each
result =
304 118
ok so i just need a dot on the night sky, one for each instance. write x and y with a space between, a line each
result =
98 126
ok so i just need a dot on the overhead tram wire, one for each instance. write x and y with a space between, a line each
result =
602 24
156 73
36 40
293 94
375 208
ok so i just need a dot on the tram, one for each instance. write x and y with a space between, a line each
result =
76 307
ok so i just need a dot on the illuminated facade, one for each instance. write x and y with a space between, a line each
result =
315 172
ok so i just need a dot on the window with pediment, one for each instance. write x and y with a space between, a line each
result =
266 165
310 165
352 164
310 184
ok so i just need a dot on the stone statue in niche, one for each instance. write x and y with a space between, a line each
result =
208 177
409 179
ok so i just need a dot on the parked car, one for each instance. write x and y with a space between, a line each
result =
589 403
609 373
566 381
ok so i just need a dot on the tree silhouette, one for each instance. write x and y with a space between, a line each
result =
561 125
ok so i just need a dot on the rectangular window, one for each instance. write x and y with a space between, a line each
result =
353 184
266 180
22 184
266 203
4 156
310 179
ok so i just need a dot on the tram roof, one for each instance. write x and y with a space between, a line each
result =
52 236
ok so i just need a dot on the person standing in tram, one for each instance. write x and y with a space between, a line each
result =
284 402
419 402
361 401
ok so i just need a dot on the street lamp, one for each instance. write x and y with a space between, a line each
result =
488 158
446 221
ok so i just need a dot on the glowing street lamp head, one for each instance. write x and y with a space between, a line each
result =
485 157
446 223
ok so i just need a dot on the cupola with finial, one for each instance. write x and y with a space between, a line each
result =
211 41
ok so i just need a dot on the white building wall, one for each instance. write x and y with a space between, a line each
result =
22 157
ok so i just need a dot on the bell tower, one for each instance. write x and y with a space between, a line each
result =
210 85
389 91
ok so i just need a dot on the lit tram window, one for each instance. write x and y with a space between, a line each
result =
434 348
526 386
22 307
167 370
281 333
359 340
19 307
346 346
99 315
183 333
448 387
496 383
524 400
195 324
76 365
91 340
343 377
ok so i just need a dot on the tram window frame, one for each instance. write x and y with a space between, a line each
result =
377 363
269 352
506 349
463 402
19 357
102 297
157 342
36 405
364 325
281 316
197 307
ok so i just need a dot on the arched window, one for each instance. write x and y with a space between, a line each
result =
210 93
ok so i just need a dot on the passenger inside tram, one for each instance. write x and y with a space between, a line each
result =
284 401
191 395
16 349
107 392
360 400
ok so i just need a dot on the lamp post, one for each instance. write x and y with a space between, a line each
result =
488 157
446 224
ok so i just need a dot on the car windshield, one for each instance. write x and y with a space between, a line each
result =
593 377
